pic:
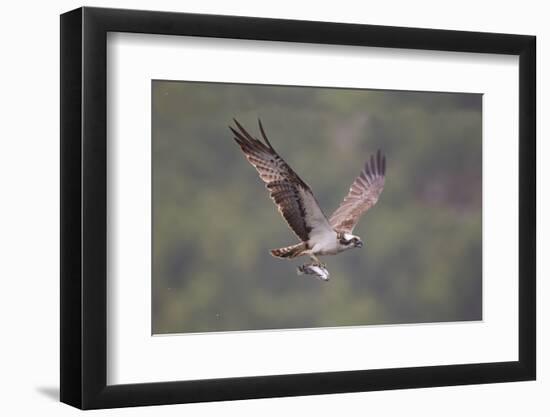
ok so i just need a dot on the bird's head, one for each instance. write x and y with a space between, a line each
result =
350 241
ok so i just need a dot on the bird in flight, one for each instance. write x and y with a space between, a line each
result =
318 234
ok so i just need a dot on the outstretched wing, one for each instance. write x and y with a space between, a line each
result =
363 194
292 196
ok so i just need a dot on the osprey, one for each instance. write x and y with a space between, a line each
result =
297 204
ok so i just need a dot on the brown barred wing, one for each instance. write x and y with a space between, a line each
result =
363 194
293 197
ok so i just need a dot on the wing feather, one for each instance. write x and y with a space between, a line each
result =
363 194
291 194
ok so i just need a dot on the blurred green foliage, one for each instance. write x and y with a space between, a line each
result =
213 222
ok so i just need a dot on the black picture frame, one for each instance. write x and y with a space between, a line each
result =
84 207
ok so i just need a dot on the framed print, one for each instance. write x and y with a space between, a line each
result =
257 207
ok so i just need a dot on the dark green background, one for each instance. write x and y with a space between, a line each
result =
213 222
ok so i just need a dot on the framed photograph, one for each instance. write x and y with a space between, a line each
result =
256 208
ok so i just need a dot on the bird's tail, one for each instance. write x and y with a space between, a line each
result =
289 251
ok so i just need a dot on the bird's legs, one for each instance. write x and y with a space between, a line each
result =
316 260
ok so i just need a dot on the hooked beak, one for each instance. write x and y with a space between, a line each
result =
359 244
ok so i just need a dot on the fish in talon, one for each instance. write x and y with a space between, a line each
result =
317 270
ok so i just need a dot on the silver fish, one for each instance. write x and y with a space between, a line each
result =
318 270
